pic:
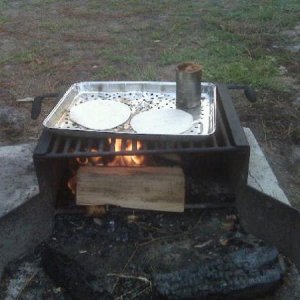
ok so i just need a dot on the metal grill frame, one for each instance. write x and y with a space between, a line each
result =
223 156
229 137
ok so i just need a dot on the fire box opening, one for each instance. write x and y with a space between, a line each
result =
163 182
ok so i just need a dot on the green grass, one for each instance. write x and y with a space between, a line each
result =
232 39
23 56
107 72
3 4
228 63
37 52
144 72
3 20
39 2
118 56
234 44
55 26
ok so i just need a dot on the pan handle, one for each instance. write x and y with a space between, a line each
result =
248 90
37 104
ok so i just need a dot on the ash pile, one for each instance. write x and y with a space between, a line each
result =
147 255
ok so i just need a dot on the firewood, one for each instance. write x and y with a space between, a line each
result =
149 188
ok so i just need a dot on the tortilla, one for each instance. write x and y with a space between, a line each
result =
100 114
162 121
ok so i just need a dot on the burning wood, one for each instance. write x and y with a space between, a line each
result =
125 181
117 161
126 161
153 188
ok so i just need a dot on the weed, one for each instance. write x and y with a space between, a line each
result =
156 35
24 56
42 2
52 26
124 52
107 72
3 4
3 20
142 72
117 56
259 73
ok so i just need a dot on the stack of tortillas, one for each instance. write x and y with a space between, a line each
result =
100 114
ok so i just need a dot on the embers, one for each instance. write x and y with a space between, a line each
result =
116 146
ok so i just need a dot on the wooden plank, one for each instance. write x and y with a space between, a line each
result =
149 188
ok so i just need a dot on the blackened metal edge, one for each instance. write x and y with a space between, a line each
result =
43 143
233 121
270 220
145 152
51 145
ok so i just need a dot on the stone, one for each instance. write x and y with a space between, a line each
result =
293 36
294 48
261 176
26 217
283 70
16 284
290 33
18 181
12 120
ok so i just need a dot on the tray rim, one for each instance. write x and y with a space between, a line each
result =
95 133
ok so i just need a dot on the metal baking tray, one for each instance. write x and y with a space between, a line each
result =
139 96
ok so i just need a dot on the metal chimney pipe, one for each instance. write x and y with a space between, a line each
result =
188 85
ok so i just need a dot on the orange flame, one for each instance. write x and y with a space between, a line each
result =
93 161
126 160
118 160
72 183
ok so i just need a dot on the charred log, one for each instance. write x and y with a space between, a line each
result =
68 274
241 274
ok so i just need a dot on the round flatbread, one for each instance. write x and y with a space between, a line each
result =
100 114
162 121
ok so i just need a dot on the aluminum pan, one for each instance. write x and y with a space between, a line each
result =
140 96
